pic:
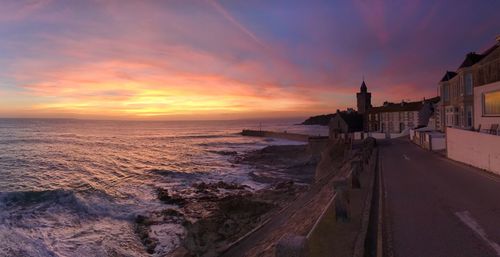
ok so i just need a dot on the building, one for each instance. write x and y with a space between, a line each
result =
364 103
364 99
345 122
464 91
487 89
398 117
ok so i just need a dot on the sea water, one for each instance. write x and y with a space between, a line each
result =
73 187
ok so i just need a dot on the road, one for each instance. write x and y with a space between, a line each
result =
437 207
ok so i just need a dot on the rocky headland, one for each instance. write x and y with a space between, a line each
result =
318 120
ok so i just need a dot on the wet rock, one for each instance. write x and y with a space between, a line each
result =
141 228
175 199
201 187
172 216
234 216
284 185
229 153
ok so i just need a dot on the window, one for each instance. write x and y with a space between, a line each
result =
462 116
446 92
491 103
468 110
468 84
461 86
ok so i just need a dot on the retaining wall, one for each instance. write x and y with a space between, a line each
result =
293 245
477 149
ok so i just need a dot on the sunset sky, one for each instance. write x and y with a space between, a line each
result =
228 59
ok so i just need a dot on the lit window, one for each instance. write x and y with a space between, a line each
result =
491 103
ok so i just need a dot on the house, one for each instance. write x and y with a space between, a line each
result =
464 91
397 117
487 89
345 122
472 100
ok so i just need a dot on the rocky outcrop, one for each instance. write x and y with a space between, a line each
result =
319 120
212 215
234 216
274 164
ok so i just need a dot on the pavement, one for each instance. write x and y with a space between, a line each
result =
435 206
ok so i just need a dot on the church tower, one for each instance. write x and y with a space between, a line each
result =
364 99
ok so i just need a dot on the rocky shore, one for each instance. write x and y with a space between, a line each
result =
206 218
275 164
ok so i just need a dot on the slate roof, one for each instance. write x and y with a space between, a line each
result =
403 107
449 75
354 120
471 59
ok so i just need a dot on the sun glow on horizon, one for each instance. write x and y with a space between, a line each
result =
216 59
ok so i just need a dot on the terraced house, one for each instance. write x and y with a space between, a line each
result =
398 117
470 96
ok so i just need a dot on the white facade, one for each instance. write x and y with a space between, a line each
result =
397 122
480 117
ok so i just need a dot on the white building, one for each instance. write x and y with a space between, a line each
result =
397 117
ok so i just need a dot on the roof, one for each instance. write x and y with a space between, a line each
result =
434 100
354 120
471 59
491 49
449 75
398 107
363 87
403 107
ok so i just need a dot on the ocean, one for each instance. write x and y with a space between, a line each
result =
73 187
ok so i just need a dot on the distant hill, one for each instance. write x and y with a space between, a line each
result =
319 120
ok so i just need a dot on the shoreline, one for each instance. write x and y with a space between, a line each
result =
215 215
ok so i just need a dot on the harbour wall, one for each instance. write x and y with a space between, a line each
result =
274 134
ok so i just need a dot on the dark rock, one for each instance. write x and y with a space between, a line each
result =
235 216
141 228
229 153
284 185
319 120
201 187
171 212
174 199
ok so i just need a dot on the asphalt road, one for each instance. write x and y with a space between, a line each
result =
437 207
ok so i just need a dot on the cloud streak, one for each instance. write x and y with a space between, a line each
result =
218 59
